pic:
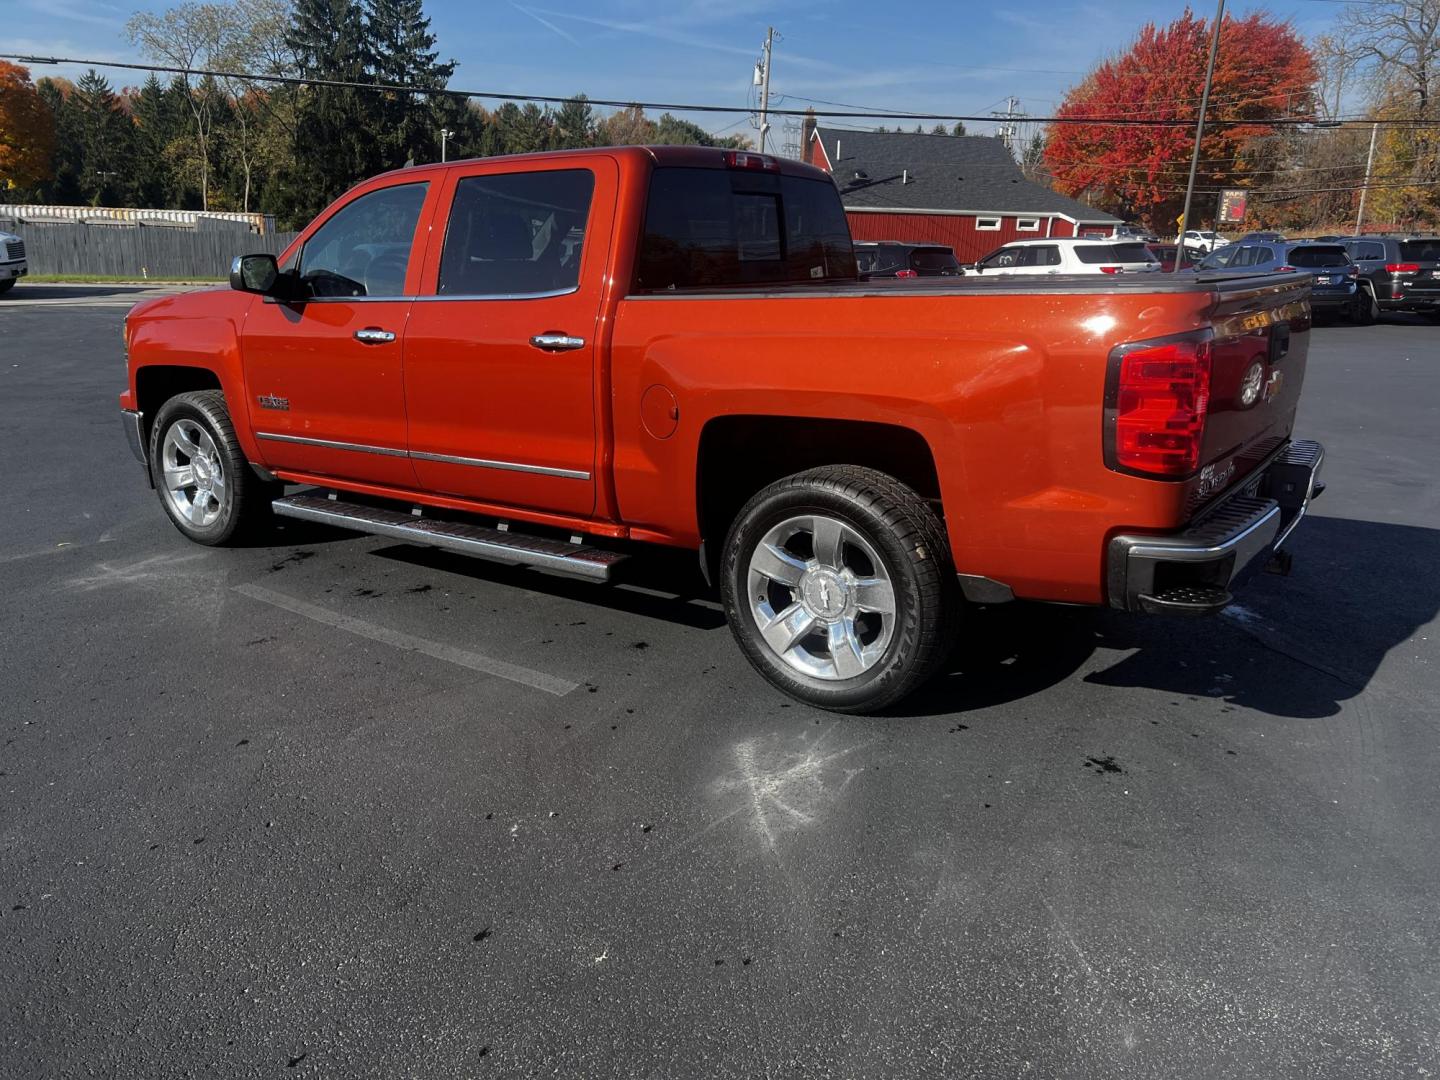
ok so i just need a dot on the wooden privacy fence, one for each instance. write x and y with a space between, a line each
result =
139 251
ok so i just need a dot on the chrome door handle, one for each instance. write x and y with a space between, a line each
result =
553 342
373 335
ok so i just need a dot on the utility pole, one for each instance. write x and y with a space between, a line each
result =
1199 131
1009 128
1369 164
762 72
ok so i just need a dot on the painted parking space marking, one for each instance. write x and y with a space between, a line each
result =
536 680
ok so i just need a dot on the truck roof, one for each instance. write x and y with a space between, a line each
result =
692 157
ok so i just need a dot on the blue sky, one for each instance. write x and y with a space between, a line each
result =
963 57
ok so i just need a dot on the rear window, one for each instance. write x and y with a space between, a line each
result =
1113 253
711 227
1420 250
1319 256
933 259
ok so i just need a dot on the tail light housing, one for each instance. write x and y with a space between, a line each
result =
906 273
1112 269
1352 271
1402 268
1157 398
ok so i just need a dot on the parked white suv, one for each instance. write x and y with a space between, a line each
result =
1064 255
12 260
1204 240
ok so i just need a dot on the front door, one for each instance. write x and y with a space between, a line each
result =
324 372
501 344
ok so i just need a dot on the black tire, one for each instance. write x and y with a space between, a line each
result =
1365 311
903 531
245 506
7 285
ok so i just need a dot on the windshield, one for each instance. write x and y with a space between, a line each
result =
1319 256
1093 254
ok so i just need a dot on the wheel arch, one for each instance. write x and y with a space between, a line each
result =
740 454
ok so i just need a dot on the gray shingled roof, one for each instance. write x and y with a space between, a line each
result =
947 172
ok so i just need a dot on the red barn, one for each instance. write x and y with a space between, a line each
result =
964 191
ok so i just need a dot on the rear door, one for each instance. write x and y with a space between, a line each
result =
501 344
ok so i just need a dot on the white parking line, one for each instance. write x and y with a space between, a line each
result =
536 680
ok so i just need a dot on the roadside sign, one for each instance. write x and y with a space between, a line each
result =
1232 206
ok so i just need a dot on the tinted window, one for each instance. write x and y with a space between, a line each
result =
1319 256
1093 254
516 233
1366 249
1420 250
934 259
364 248
737 227
1244 257
1263 256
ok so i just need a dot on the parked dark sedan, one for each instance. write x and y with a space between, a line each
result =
1397 273
891 258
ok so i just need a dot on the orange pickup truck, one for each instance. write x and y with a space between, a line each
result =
546 360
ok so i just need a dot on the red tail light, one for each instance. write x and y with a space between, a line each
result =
1402 268
906 273
1278 269
738 159
1112 269
1156 403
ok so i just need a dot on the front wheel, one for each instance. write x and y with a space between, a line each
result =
839 589
6 285
204 482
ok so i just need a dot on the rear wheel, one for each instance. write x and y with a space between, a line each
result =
7 285
1365 312
839 589
203 480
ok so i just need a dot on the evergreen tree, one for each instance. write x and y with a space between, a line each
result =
958 129
399 49
63 187
334 140
574 124
157 123
105 137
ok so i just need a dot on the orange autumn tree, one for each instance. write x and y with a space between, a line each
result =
1263 72
27 131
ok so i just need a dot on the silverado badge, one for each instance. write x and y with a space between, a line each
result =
270 401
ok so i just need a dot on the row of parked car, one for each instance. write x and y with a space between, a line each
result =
1358 277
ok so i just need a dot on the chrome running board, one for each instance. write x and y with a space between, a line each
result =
481 541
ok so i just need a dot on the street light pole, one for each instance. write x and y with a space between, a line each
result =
445 136
1369 164
1199 131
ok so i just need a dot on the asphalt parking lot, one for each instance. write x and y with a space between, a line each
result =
341 807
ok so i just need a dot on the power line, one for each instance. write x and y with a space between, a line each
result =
671 106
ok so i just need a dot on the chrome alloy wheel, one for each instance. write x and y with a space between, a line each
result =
821 597
193 473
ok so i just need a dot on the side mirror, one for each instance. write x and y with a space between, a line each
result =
255 274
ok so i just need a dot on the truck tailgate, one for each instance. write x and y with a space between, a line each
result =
1262 335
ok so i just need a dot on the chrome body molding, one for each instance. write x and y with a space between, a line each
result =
330 444
419 455
508 466
426 299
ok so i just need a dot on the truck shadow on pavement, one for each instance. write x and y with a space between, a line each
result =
1296 647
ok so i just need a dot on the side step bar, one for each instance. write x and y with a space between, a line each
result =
512 549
